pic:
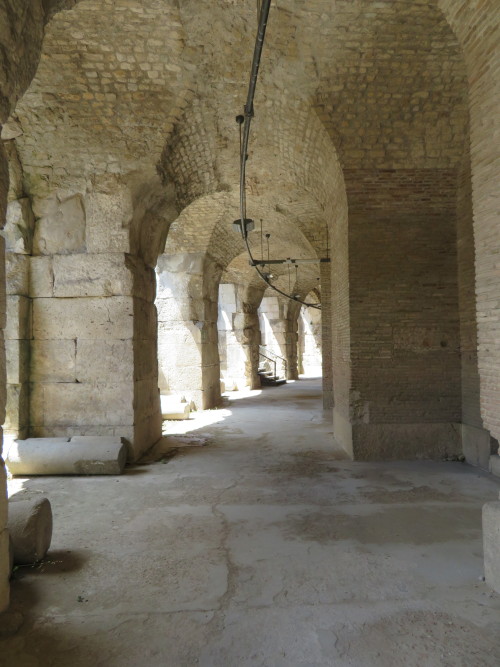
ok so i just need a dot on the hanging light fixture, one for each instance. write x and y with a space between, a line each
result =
245 225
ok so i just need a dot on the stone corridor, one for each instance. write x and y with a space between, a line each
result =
264 547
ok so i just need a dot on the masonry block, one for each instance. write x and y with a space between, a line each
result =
491 544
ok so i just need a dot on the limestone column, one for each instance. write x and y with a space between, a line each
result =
247 330
326 335
18 234
232 354
4 537
93 356
292 309
188 356
310 350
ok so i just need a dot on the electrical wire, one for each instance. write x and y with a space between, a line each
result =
246 120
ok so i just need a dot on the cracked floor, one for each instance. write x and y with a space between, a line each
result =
265 547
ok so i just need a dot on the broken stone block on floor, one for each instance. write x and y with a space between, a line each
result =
173 408
82 455
30 527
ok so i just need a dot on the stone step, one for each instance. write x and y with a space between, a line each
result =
172 408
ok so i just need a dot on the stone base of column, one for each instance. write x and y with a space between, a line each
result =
491 544
342 432
476 444
384 442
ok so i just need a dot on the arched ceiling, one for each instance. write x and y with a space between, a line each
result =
133 86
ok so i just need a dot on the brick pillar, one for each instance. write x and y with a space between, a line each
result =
326 334
405 397
187 296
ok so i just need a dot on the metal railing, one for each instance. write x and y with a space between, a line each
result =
275 359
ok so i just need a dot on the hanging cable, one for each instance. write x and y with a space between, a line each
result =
245 121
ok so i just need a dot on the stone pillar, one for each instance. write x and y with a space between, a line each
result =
292 338
310 349
4 537
187 295
326 334
18 235
93 356
247 329
232 354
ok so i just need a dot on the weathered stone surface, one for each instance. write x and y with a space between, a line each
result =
17 273
67 404
19 318
99 360
87 455
109 215
53 361
17 407
494 465
103 274
88 317
18 360
371 442
19 224
4 567
476 446
41 275
491 544
63 231
30 527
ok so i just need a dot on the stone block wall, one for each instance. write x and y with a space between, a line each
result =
232 353
4 538
21 32
188 356
93 353
405 346
274 326
17 238
309 343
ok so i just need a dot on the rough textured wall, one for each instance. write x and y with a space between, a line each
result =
475 439
406 394
188 356
327 327
232 353
18 235
21 32
310 339
471 410
477 26
93 354
273 328
4 537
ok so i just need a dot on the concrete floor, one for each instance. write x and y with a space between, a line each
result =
265 548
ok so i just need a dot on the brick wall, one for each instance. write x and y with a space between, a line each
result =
477 26
404 311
